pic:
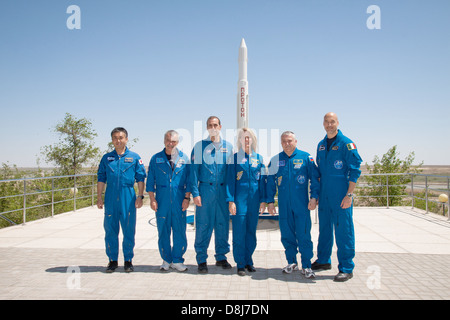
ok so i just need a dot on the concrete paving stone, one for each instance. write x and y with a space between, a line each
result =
401 254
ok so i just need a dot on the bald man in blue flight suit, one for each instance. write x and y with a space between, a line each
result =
209 160
290 172
119 170
168 177
339 163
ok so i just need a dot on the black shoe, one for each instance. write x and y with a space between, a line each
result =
128 266
250 268
112 265
202 268
342 277
320 266
224 264
241 271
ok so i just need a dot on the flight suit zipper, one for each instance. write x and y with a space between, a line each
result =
118 179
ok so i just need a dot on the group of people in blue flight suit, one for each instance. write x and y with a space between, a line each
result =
239 186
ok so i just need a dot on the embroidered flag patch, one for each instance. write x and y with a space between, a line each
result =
351 146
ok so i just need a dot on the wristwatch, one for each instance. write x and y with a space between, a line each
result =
142 197
349 195
187 198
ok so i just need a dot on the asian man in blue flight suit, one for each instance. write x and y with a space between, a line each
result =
339 163
246 198
168 177
208 172
119 170
292 171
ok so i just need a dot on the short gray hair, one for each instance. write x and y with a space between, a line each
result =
288 133
171 133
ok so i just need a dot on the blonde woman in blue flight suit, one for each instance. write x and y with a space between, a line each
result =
246 198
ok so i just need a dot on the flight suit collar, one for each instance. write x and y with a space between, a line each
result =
338 136
122 155
178 155
292 155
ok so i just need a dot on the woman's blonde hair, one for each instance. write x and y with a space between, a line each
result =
241 132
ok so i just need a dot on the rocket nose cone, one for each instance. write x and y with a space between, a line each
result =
243 43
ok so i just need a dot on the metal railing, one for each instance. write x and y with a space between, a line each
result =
423 189
45 188
432 186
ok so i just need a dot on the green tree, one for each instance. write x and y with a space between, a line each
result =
75 147
375 186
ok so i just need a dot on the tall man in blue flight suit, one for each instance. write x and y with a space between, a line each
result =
168 176
246 188
339 166
119 170
290 172
209 160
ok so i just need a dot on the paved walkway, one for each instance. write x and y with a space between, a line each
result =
401 254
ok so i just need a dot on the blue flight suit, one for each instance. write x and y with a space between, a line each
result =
291 176
208 180
120 172
337 167
170 187
246 188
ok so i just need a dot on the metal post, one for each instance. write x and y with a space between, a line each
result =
92 193
448 201
387 192
426 193
24 201
74 193
412 190
53 197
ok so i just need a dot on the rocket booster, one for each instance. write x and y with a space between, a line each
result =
242 95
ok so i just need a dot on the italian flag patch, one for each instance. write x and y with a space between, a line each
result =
351 146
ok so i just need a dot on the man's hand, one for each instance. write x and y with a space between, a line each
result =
232 208
346 202
262 207
198 201
138 203
312 204
271 208
185 205
100 203
154 204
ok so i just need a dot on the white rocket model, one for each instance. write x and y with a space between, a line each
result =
242 96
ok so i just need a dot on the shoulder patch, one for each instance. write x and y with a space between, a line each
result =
351 146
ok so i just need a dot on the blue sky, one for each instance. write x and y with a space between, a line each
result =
151 66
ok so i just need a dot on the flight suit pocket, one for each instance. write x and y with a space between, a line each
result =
128 175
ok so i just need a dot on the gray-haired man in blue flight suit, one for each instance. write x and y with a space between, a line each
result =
168 177
294 173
